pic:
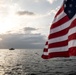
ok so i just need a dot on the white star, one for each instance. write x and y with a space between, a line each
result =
69 11
70 5
64 5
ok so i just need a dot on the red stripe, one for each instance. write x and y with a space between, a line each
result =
58 44
60 22
72 37
56 54
60 10
72 51
45 56
73 24
46 43
58 34
45 50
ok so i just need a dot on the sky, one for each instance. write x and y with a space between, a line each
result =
25 24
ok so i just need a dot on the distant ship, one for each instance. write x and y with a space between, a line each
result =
11 49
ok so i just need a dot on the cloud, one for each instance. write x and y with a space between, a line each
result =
22 41
25 13
51 1
53 11
29 29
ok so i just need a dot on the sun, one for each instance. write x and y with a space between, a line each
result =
8 23
8 16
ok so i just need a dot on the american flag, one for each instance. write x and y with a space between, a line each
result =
62 37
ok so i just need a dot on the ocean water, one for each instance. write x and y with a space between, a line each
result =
29 62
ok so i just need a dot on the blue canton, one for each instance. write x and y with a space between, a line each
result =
70 7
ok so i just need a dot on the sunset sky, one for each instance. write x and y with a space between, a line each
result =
25 23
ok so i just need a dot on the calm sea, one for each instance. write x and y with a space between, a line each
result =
29 62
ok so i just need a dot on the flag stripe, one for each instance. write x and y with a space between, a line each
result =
57 39
72 37
46 53
72 51
58 49
63 38
73 24
71 34
46 43
61 27
46 46
58 44
56 54
72 31
72 43
58 34
60 10
45 50
59 54
60 22
59 16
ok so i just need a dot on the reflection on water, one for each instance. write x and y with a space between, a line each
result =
29 62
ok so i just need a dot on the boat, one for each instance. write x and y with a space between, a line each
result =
11 49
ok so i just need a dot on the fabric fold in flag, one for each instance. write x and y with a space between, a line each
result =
62 37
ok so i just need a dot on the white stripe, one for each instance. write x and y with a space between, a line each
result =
45 53
61 27
72 43
46 46
72 31
59 49
58 17
58 39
